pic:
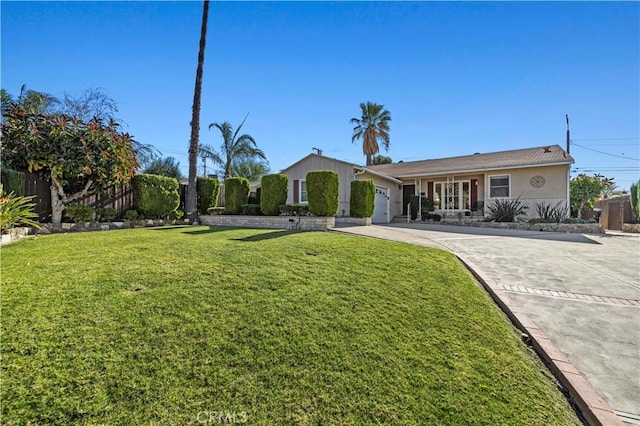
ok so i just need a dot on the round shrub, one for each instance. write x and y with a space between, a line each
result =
236 193
208 190
155 196
363 197
273 193
79 213
322 192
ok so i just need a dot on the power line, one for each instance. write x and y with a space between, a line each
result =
607 139
605 153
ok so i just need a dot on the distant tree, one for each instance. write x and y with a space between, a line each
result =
88 105
78 157
33 102
585 190
167 166
372 127
191 207
250 169
381 159
234 148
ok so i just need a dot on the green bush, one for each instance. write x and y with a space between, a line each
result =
635 202
12 181
294 210
236 193
322 192
105 214
506 210
155 196
251 209
363 197
216 210
16 210
79 213
414 200
431 216
427 206
131 215
273 193
208 190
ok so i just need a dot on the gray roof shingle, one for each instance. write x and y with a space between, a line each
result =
539 156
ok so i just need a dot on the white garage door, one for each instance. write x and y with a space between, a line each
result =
380 210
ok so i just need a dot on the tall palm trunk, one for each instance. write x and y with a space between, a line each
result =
190 207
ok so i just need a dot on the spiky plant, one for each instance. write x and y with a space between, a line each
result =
506 210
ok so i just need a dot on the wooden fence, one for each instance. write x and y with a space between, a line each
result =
119 198
615 211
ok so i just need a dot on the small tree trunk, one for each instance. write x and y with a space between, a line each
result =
57 207
369 160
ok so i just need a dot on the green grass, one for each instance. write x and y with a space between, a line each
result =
171 325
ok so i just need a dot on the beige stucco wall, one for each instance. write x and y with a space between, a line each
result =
553 191
394 192
346 175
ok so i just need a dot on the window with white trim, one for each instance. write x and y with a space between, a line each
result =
499 186
303 192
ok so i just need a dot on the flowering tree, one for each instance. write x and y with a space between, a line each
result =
586 190
78 157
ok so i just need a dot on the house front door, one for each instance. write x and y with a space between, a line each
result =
407 192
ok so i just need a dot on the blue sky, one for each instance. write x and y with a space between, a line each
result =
457 77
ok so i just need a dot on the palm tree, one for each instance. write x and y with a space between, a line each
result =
372 127
234 147
190 204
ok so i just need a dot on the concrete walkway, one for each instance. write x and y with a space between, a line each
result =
578 293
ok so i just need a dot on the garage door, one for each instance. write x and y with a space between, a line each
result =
380 210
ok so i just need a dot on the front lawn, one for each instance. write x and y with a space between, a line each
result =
196 325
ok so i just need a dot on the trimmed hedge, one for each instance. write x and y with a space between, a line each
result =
274 193
251 210
363 198
236 193
12 181
414 200
294 210
322 192
155 196
208 190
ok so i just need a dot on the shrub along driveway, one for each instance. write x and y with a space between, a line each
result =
582 291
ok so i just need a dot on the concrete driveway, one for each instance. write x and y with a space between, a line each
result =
582 291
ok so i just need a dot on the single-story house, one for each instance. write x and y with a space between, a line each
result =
456 184
388 188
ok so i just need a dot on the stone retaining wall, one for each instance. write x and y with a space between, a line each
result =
270 222
14 234
631 227
580 228
358 221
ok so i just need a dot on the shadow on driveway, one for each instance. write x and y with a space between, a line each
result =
497 232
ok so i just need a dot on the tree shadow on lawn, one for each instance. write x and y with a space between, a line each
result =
265 236
209 230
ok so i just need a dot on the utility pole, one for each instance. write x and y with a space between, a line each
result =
568 138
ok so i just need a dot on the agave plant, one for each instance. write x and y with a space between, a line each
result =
506 210
548 213
16 211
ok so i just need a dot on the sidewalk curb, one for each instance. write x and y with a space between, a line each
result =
593 409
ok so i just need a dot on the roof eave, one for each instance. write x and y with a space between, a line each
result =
484 169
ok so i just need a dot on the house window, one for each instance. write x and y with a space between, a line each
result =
499 187
303 192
